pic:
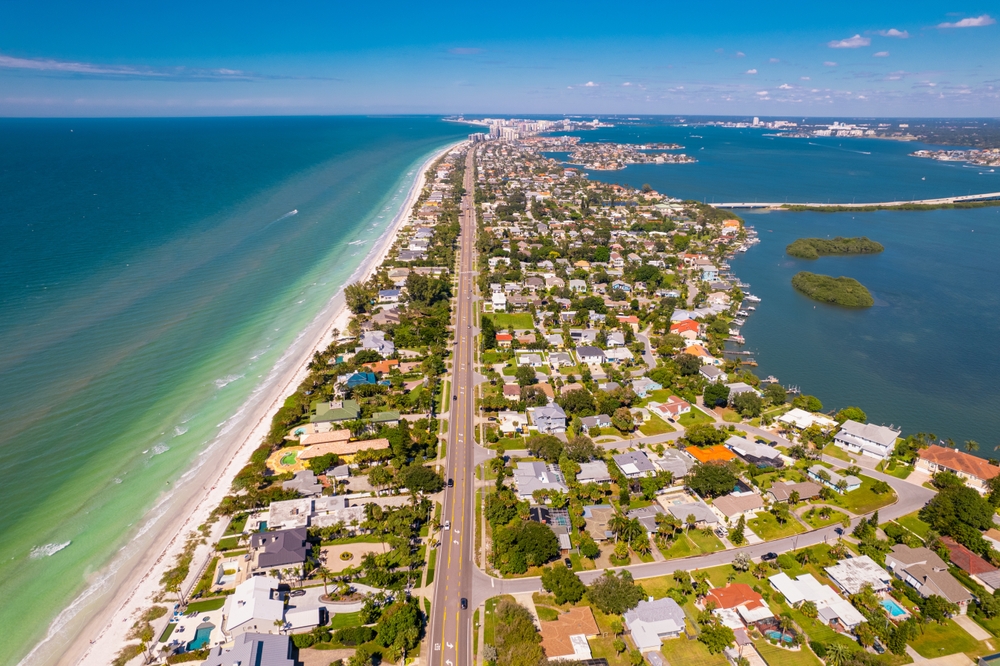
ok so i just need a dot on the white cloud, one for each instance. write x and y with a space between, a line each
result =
627 83
740 54
773 60
751 71
785 86
881 54
762 93
830 63
892 32
854 42
590 84
976 22
805 78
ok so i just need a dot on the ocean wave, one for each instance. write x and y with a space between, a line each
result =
227 380
359 242
178 431
48 550
160 448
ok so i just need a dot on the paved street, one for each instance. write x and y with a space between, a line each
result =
450 626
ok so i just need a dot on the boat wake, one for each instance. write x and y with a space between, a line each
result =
227 380
48 550
361 241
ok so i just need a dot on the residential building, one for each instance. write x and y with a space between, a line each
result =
304 482
596 519
755 453
594 472
742 599
335 411
831 479
867 439
927 573
549 419
781 491
565 639
389 295
600 421
801 419
651 622
643 386
590 355
713 374
715 454
634 464
976 471
702 513
675 462
512 422
375 341
532 476
253 649
731 507
646 516
852 574
965 559
281 549
254 606
672 409
737 388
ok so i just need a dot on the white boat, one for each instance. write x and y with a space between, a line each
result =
739 322
752 298
734 331
742 313
751 308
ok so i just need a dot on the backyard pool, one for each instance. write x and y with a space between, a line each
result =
200 639
894 609
778 636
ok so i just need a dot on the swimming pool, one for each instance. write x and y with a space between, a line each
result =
200 639
777 636
894 609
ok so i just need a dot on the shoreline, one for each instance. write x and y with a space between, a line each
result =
98 639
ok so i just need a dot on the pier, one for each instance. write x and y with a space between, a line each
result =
968 198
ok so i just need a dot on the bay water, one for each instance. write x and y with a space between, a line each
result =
154 276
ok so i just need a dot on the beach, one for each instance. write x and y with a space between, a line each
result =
131 582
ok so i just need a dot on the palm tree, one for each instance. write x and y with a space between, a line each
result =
280 624
971 445
618 524
837 654
326 575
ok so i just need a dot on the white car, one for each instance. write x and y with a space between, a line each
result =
447 524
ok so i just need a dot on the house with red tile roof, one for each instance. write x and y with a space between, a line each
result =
965 559
741 599
976 471
565 638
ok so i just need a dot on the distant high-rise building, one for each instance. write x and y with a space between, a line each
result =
756 121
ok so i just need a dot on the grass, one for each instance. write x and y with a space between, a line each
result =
237 524
990 624
684 652
938 640
774 655
766 526
655 426
900 471
730 416
488 619
431 562
864 500
344 620
229 543
517 320
205 583
546 614
706 543
692 542
694 417
479 527
602 647
681 547
207 605
475 633
835 451
816 522
169 629
913 523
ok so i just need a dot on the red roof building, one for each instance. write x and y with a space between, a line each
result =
965 559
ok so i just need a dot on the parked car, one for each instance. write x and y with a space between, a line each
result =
568 562
767 557
297 593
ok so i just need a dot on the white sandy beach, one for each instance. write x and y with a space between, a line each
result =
135 584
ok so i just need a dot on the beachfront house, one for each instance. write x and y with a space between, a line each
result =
253 649
976 471
254 606
278 550
867 439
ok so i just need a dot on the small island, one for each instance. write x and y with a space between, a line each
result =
843 291
814 248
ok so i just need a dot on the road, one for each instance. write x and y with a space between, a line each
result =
987 196
450 627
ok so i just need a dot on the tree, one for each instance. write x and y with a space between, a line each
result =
716 394
622 419
742 562
580 449
748 404
525 375
737 534
809 610
688 364
937 608
775 394
837 654
705 434
379 477
547 447
711 480
400 625
865 634
516 639
619 645
809 403
418 478
717 637
578 402
851 414
563 583
971 445
359 298
614 593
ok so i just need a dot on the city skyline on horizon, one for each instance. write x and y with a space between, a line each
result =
924 59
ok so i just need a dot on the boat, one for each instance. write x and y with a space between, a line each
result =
752 298
742 285
739 322
734 331
738 339
770 379
742 313
751 308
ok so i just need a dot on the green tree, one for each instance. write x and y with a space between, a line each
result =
688 364
516 638
418 478
711 480
358 297
851 414
525 375
716 394
581 449
775 394
705 434
622 419
937 608
737 534
563 583
717 637
748 404
546 447
614 594
810 403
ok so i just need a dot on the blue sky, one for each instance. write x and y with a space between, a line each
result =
734 58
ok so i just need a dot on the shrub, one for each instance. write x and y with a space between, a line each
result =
354 635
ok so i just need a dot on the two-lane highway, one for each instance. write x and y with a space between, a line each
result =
450 628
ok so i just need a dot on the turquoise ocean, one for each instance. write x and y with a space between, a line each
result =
926 357
154 277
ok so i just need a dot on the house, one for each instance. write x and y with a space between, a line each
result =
715 454
634 464
512 422
599 421
590 355
386 317
675 462
277 550
559 359
593 472
596 519
504 339
643 386
965 559
618 355
976 471
499 301
742 599
803 588
512 391
712 373
616 339
647 517
852 574
375 341
335 411
732 507
389 295
651 622
740 387
550 419
702 513
304 483
867 439
702 354
382 367
801 419
532 476
829 478
780 491
688 329
253 649
578 286
565 639
530 360
254 606
673 408
360 379
760 455
927 573
313 512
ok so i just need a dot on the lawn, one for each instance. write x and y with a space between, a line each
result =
655 426
707 543
229 543
237 524
693 417
900 471
431 561
681 547
913 523
775 655
938 640
684 652
835 451
344 620
516 320
488 616
546 614
169 629
207 605
864 500
491 356
602 647
692 542
475 633
816 522
767 527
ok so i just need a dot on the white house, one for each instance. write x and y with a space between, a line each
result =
867 439
653 621
254 606
852 574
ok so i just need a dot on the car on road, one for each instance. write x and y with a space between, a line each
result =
454 397
767 557
447 524
464 603
451 483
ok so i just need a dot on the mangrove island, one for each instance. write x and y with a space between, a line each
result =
813 248
844 291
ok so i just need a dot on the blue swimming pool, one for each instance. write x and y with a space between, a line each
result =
777 636
200 639
894 609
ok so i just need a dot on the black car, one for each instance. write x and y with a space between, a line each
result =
878 647
454 397
451 483
767 557
296 593
464 603
568 562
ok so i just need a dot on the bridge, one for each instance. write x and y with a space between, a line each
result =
968 198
